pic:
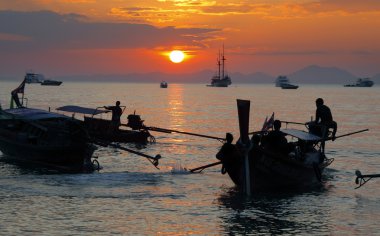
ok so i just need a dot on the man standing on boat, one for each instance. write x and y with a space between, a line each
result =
116 114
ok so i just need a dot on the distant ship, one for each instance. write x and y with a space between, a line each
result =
283 82
33 78
221 79
51 82
163 84
361 82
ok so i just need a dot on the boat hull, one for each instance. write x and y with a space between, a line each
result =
73 158
101 129
51 83
269 171
46 138
289 86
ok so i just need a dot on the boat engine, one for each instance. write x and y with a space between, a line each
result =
135 122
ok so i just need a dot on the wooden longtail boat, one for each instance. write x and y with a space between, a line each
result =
253 166
43 137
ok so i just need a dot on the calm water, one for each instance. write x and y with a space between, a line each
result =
130 197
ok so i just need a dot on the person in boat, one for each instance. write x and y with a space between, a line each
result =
116 114
276 141
229 155
323 120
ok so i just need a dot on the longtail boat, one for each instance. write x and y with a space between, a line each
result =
252 166
42 137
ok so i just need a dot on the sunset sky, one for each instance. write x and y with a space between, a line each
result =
67 37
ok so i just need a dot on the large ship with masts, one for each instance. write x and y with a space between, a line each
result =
221 79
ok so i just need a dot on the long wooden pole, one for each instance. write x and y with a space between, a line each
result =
344 135
205 166
151 159
156 129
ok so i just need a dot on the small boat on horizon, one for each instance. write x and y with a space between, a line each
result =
33 78
283 82
163 84
220 79
361 82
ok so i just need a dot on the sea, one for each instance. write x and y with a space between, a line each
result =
129 196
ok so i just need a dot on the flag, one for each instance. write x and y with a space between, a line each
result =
15 92
20 88
268 124
264 124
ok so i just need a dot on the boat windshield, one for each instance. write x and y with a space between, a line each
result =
300 134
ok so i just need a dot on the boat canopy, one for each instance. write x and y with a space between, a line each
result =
81 110
33 114
300 134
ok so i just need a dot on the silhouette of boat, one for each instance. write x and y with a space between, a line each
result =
221 79
283 82
33 78
42 137
361 82
255 165
163 84
101 129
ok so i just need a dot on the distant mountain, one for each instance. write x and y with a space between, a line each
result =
322 75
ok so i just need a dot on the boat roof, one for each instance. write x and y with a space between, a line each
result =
301 134
33 114
81 110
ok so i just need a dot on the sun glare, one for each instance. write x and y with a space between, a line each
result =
176 56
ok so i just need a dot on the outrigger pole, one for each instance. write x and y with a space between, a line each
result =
363 179
344 135
201 168
168 131
151 159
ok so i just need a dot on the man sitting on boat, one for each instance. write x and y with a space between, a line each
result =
276 141
323 121
116 114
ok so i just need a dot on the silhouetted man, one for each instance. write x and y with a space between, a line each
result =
116 114
276 140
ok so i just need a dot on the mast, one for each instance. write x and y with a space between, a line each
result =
219 64
223 59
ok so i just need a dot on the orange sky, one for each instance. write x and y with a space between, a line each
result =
66 37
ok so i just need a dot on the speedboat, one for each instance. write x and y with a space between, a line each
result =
163 84
283 82
361 82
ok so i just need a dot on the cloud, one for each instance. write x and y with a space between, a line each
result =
46 29
349 6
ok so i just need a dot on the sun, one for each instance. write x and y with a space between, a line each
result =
176 56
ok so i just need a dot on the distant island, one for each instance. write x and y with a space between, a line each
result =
312 74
